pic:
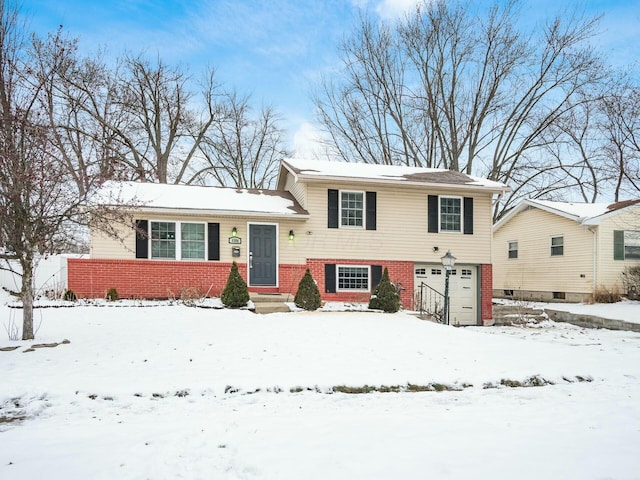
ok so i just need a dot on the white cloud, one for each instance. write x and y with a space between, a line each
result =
308 142
393 9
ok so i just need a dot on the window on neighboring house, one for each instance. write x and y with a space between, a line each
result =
626 245
352 209
164 236
631 244
557 246
450 214
513 249
353 277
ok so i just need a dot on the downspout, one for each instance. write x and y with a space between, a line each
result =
595 258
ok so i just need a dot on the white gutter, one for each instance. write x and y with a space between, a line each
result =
595 258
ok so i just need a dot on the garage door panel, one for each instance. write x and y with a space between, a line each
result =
462 289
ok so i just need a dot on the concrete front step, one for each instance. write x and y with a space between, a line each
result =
270 302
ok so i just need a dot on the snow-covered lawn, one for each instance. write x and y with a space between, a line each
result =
627 310
177 392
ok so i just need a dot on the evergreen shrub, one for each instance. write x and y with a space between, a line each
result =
235 293
308 295
385 296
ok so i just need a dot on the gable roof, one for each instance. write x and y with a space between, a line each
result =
305 170
580 212
195 199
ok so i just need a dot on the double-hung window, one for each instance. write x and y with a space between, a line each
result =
513 249
163 240
353 278
192 236
557 246
177 241
352 209
450 214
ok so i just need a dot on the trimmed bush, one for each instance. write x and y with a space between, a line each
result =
235 293
308 295
385 296
70 296
112 295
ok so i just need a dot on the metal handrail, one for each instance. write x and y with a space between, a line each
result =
431 302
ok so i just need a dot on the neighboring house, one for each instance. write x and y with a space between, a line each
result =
346 222
562 251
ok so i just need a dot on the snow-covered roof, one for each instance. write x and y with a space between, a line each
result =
580 212
395 174
197 199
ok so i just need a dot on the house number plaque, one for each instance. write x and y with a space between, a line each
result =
235 240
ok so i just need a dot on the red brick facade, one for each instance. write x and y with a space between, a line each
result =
486 294
168 279
399 273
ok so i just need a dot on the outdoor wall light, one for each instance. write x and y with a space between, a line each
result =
291 235
234 232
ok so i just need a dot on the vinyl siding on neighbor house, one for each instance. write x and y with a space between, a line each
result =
610 270
535 269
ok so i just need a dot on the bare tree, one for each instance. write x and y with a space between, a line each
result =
165 130
39 197
243 148
456 87
620 127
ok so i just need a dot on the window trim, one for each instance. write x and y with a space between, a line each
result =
367 267
364 210
461 214
178 240
511 250
551 246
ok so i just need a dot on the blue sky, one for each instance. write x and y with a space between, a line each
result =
274 49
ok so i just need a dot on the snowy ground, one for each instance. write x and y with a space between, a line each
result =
627 310
172 391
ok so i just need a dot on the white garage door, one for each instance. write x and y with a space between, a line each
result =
463 287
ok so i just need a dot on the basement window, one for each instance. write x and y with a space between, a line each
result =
559 296
353 278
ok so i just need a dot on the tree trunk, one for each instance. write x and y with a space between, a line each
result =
27 299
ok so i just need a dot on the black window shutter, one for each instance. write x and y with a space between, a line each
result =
213 240
468 215
142 236
618 244
330 277
376 276
433 213
333 209
371 210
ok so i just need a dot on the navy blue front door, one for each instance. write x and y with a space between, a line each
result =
262 255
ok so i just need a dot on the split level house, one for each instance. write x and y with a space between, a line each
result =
345 222
561 251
